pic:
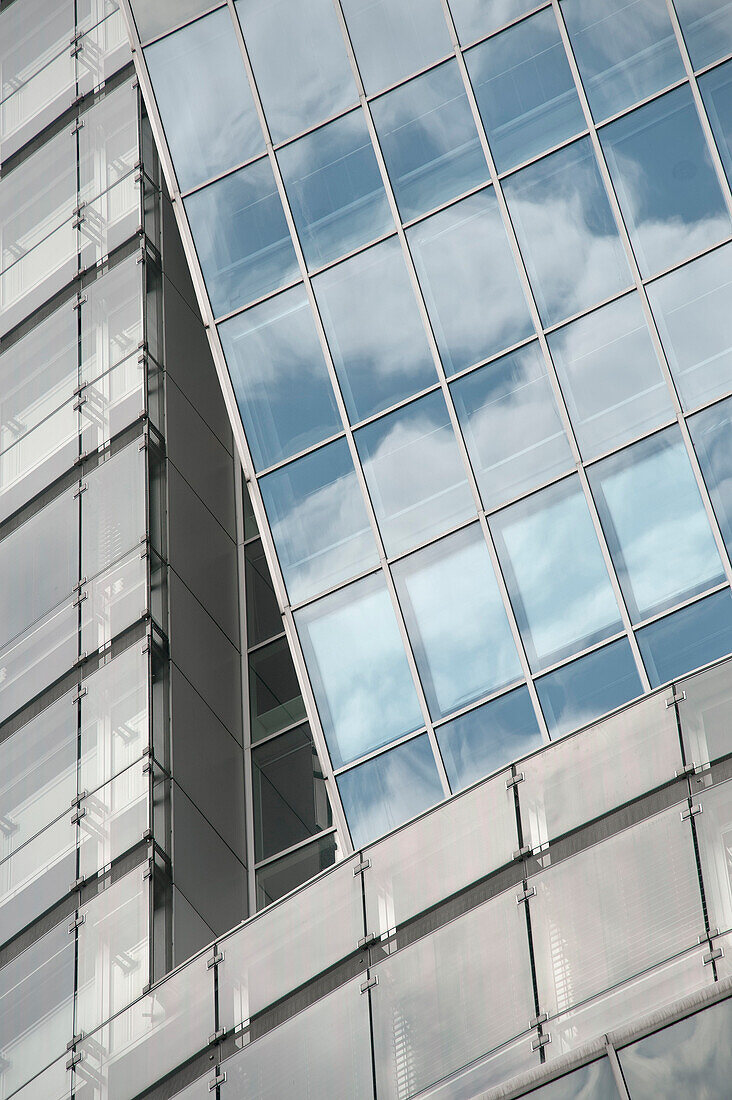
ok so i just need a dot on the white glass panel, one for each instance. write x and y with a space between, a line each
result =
115 818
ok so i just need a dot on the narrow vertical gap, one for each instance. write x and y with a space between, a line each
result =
529 934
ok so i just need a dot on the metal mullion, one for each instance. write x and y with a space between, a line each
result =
209 181
616 1070
246 722
684 603
511 23
380 751
178 27
658 276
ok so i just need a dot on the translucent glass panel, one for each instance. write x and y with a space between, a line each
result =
161 17
374 329
716 88
37 197
713 835
274 693
299 60
114 717
580 692
38 657
475 18
242 238
657 530
556 576
111 319
511 426
335 189
280 378
36 876
429 141
469 280
263 614
703 714
115 819
278 878
392 40
415 473
611 377
383 793
113 510
525 91
431 1014
625 51
114 600
710 434
707 29
290 797
480 741
595 1080
108 142
319 522
666 185
688 639
204 99
567 233
456 621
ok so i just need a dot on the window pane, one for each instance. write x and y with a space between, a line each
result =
290 797
280 378
693 310
429 141
716 89
707 27
274 693
204 99
319 521
113 510
711 432
242 238
665 182
475 18
657 530
555 573
335 189
456 621
577 694
512 429
469 281
611 376
375 330
625 51
111 319
393 38
299 60
358 668
525 91
286 874
595 1080
263 614
567 233
415 473
488 737
688 639
157 18
382 794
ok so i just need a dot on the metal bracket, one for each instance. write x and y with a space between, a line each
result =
675 699
215 960
540 1041
78 814
367 940
81 691
514 780
81 299
529 892
78 920
77 883
78 600
218 1079
74 1059
359 868
710 956
691 811
217 1035
73 1042
521 852
80 400
80 489
688 769
704 936
541 1019
148 872
370 983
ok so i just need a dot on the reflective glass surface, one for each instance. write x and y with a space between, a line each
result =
280 378
274 693
375 330
582 691
511 426
290 799
359 670
384 792
299 60
263 614
704 716
710 433
665 183
393 38
610 375
567 233
687 639
278 878
335 189
456 621
319 521
556 576
595 1081
657 530
525 91
114 717
204 99
716 89
475 18
707 29
625 51
429 140
242 238
469 280
157 18
485 738
414 473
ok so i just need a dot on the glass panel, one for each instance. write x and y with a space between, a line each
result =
578 693
111 319
704 715
567 232
595 1080
430 1011
204 99
415 473
656 527
482 740
38 657
280 378
335 189
588 775
113 509
155 19
694 317
242 238
707 29
108 142
456 621
264 619
390 789
625 51
555 573
290 795
289 944
611 376
710 432
511 426
716 89
375 331
299 60
283 875
105 48
429 141
110 220
714 834
114 718
38 458
36 876
114 600
501 1065
37 197
651 913
112 402
319 521
665 182
393 38
37 274
476 308
687 639
274 693
115 818
525 91
475 18
53 1083
440 854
